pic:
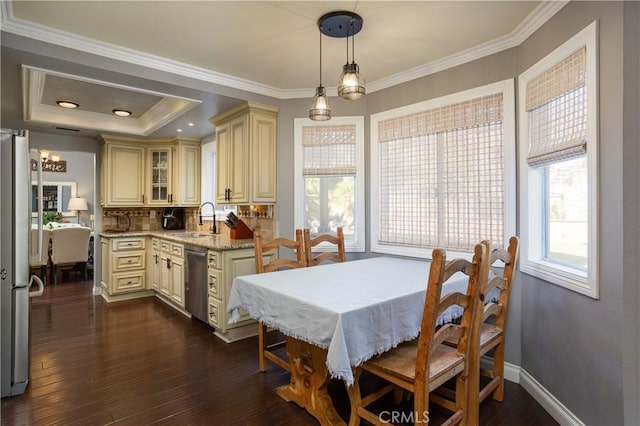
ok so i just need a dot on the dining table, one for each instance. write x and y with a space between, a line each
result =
337 316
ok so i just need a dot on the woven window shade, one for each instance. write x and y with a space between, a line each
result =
556 103
329 150
440 186
487 109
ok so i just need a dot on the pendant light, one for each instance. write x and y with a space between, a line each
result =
320 110
343 24
351 82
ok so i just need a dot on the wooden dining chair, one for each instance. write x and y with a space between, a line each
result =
491 331
494 319
422 365
310 243
261 247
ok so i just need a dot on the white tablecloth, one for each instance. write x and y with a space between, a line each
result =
355 309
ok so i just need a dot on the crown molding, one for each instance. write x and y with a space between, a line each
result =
13 25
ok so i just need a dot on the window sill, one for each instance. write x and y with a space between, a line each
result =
562 276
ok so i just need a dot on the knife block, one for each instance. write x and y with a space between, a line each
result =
242 231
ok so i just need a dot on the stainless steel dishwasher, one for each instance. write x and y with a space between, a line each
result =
195 285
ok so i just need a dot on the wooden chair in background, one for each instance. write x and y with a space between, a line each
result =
261 247
422 365
492 336
490 332
69 246
310 243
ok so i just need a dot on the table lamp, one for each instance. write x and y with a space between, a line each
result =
78 204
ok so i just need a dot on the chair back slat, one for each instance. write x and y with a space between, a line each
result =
309 243
439 272
261 247
509 257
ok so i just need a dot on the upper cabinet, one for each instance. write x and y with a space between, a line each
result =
157 172
246 154
123 175
160 180
186 173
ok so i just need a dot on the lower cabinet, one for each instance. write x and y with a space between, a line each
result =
123 264
167 270
223 267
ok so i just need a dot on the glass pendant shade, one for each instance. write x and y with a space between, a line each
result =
320 110
351 82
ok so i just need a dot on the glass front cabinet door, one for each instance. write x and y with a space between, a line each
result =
160 177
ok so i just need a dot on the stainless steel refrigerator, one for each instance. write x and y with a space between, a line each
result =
15 236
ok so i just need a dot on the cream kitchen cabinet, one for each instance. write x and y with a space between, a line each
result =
246 154
123 174
160 179
174 174
186 173
150 172
168 270
156 265
123 265
223 267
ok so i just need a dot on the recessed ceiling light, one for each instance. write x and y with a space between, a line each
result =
67 104
121 112
191 124
179 130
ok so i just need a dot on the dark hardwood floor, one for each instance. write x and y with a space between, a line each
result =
140 362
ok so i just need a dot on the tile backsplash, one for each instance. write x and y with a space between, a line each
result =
150 219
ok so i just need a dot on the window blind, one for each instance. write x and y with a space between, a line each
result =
442 177
329 150
556 103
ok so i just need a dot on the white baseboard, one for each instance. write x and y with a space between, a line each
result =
514 373
550 403
511 371
97 291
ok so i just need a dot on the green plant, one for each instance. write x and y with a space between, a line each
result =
51 217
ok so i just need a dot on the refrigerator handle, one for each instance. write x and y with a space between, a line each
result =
35 156
40 290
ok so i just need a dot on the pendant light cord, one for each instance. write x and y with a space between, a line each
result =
320 32
353 45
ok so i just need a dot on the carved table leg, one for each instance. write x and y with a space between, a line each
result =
308 384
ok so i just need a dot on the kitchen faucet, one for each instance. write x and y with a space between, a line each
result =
213 228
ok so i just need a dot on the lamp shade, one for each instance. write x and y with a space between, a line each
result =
320 110
77 204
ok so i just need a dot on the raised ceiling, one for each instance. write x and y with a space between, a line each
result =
266 47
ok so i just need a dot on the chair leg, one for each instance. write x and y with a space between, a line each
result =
43 272
54 274
498 371
84 271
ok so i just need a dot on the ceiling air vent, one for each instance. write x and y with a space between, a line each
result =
67 129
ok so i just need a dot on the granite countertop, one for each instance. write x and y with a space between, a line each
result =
214 242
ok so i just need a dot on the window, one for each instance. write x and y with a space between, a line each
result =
558 164
443 173
329 170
